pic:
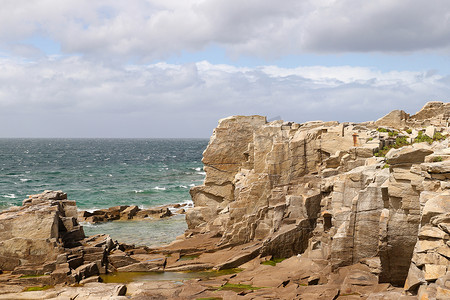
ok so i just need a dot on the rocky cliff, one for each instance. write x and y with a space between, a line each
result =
358 211
375 193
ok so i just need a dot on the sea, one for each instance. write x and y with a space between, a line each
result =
101 173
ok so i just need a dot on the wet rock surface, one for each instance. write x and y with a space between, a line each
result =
133 212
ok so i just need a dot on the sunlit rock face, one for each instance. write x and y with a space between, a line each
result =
39 230
330 191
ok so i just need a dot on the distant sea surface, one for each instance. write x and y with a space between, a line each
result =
100 173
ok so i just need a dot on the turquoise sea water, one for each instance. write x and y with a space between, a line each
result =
100 173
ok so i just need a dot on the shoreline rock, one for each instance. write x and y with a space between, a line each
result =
319 210
130 212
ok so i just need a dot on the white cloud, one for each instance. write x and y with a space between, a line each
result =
187 100
157 29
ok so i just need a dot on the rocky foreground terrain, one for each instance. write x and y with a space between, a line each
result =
320 210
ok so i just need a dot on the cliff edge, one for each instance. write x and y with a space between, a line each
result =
319 210
375 193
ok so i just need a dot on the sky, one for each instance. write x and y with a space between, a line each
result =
172 69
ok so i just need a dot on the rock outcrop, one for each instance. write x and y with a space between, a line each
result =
38 231
126 212
330 192
42 243
358 211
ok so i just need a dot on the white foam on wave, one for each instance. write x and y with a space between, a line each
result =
201 173
91 210
183 186
138 191
24 179
87 224
189 204
192 184
159 188
198 169
10 196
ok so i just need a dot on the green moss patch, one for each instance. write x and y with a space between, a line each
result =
238 287
37 288
189 257
273 261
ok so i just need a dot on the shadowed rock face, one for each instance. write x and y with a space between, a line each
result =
317 189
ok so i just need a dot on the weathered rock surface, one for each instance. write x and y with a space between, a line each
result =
41 243
352 219
317 189
38 231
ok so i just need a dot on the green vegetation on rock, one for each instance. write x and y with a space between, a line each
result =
421 137
238 287
37 288
437 159
189 257
438 136
393 133
273 261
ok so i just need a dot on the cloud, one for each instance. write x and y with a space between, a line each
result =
153 30
86 98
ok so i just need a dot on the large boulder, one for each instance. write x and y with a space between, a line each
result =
394 119
408 155
38 231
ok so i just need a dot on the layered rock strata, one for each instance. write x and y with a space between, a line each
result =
360 211
325 189
42 243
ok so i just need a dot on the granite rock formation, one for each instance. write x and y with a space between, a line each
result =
330 191
42 243
358 211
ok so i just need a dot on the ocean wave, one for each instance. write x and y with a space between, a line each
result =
91 210
188 202
10 196
24 179
138 191
87 224
159 188
183 186
192 184
201 173
198 169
